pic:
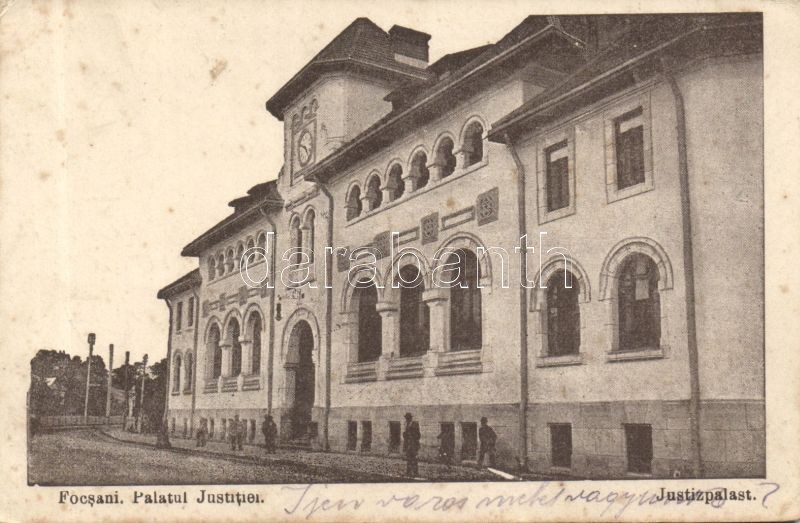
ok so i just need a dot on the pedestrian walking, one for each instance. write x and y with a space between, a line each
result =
237 433
411 437
270 431
488 439
202 433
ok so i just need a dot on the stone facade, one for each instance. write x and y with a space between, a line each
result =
397 200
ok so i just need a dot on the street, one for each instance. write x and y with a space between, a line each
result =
92 457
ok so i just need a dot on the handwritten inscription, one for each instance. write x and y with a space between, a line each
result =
311 499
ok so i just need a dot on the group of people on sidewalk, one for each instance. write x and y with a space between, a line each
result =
237 432
411 437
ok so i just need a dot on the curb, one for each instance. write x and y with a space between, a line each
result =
383 478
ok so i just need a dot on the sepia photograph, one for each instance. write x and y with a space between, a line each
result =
375 263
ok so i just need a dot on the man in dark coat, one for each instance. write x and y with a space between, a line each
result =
237 433
270 431
202 433
411 438
488 439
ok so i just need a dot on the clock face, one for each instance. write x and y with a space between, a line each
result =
305 147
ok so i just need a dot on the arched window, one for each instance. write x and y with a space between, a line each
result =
261 243
236 347
221 265
255 337
563 314
308 236
229 263
445 158
414 314
638 305
215 351
176 376
374 194
296 239
473 144
189 372
353 205
396 184
369 322
419 169
212 268
239 255
465 303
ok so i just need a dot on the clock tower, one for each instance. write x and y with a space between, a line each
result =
342 91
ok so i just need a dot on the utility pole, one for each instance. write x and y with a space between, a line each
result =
125 386
108 385
88 376
141 400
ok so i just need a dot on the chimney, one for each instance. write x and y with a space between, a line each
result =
409 45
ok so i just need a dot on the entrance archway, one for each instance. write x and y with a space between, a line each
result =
300 379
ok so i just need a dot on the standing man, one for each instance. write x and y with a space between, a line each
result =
202 433
488 439
411 445
270 431
237 433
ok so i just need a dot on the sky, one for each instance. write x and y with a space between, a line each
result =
126 128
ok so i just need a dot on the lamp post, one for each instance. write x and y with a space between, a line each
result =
125 386
88 376
108 384
141 400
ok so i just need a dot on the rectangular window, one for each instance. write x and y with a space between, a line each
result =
469 440
366 436
629 143
561 444
447 442
394 436
557 173
190 312
352 435
639 448
179 316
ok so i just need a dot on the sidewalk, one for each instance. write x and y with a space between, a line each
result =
389 468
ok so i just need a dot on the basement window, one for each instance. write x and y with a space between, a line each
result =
352 435
639 448
561 445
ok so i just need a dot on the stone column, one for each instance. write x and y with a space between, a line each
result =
390 328
387 193
349 329
366 202
247 356
308 242
227 358
437 300
410 178
461 158
435 171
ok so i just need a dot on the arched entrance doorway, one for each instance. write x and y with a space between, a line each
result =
300 380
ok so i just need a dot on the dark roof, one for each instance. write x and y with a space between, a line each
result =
187 281
426 100
635 51
361 46
450 62
246 210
